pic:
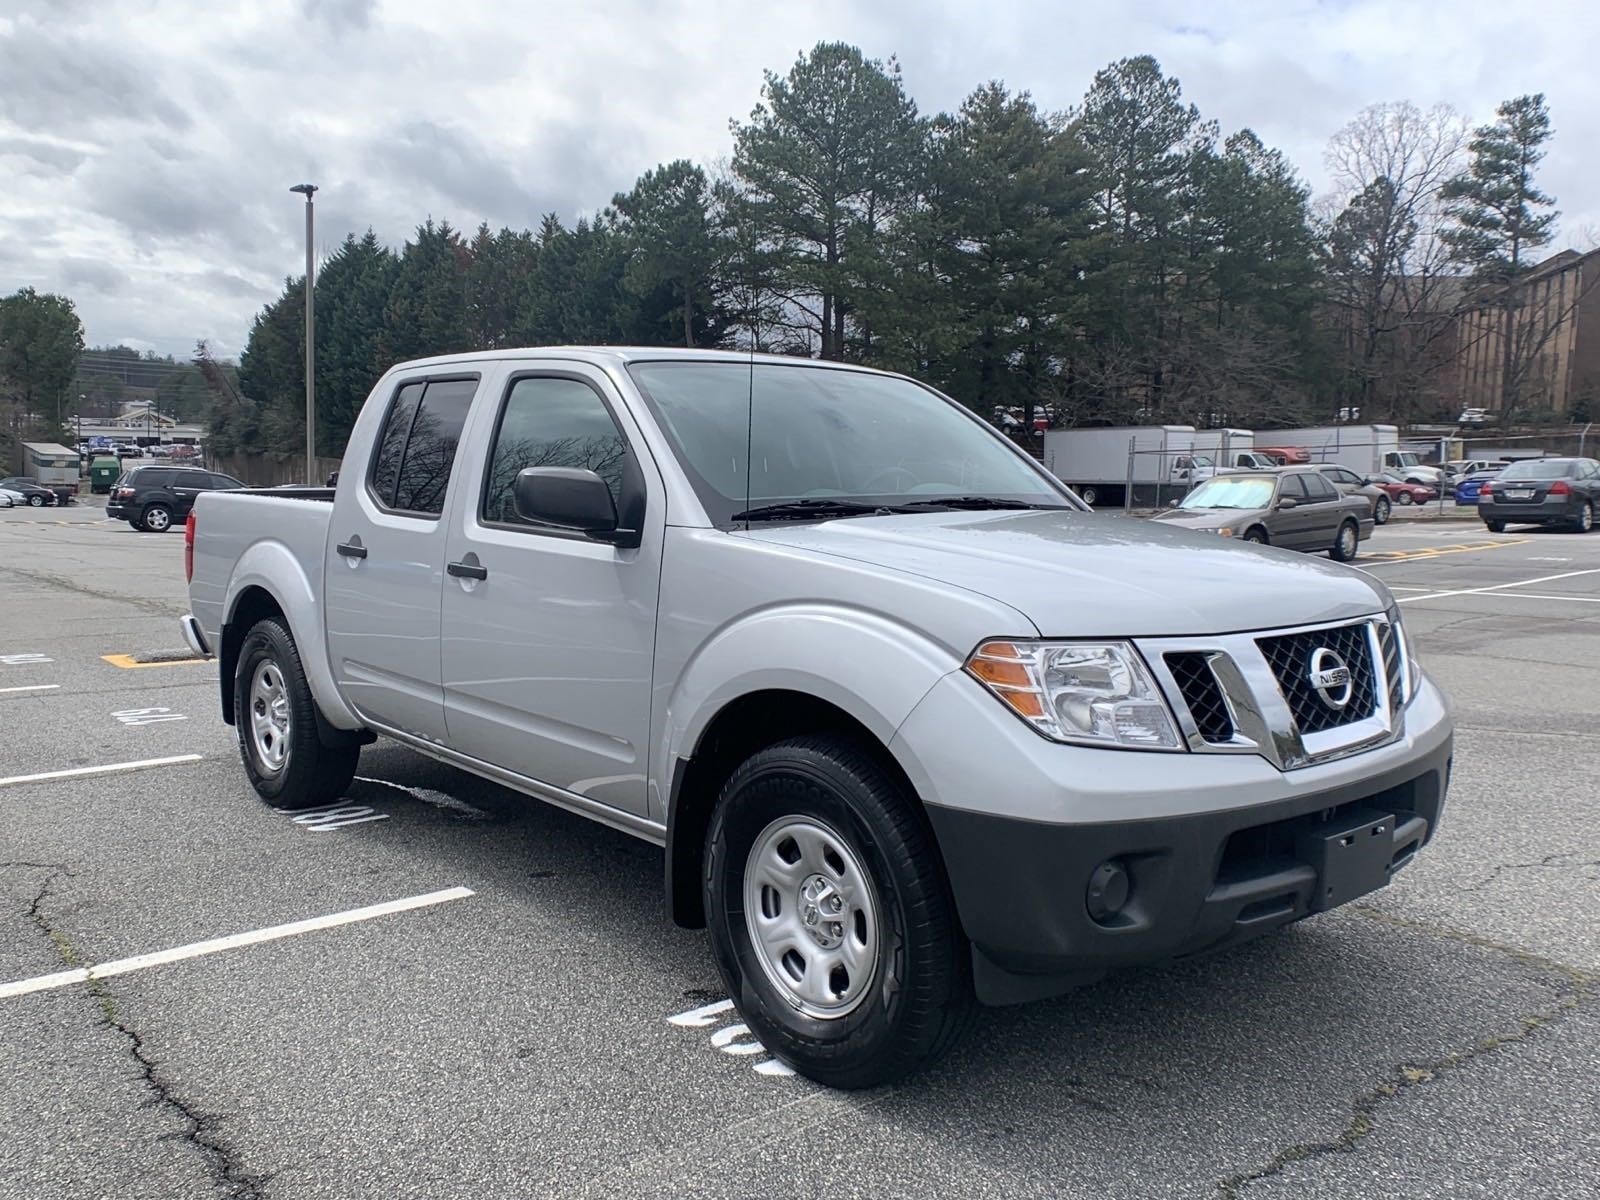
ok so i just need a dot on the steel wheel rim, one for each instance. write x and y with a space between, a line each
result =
156 518
269 716
1382 513
1347 542
811 910
36 501
1405 497
1585 518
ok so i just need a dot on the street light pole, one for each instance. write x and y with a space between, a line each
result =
307 190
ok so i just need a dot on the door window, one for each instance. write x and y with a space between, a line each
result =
417 448
1294 487
1319 488
551 421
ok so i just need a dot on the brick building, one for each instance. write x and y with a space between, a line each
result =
1555 341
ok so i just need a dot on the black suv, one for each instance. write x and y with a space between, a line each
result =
153 498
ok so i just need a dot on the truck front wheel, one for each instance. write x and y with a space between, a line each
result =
276 721
830 916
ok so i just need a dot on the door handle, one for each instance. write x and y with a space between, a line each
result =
350 550
463 570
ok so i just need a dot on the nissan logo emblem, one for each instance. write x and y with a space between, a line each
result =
1330 676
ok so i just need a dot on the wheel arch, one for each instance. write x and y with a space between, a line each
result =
740 728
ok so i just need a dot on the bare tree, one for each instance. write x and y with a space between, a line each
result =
1389 276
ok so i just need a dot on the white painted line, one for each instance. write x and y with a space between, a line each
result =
699 1018
139 962
1495 587
35 687
1538 596
109 769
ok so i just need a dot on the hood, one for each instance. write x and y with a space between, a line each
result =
1081 575
1209 518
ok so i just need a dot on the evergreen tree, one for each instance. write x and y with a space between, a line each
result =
40 340
830 153
671 242
427 309
498 278
1499 217
353 292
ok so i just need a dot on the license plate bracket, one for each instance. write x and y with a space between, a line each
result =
1519 493
1352 856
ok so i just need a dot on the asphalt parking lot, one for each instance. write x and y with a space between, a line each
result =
479 995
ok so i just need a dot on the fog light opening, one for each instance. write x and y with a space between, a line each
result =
1108 892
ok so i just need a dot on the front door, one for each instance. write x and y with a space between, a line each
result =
549 636
385 559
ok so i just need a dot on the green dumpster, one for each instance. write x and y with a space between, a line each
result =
103 472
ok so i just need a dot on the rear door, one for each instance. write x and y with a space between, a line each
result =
548 635
185 486
1325 512
386 555
1289 525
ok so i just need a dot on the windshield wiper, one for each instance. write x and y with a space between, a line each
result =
976 502
799 509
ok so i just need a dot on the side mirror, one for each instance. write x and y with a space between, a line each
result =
1287 502
570 498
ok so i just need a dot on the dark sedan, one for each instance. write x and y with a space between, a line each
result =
1542 491
29 490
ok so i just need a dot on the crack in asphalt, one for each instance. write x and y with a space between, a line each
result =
1405 1077
200 1128
72 585
1548 862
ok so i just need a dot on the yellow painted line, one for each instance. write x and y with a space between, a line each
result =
1438 551
128 663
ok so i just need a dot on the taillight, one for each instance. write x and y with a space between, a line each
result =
1485 488
1560 488
188 548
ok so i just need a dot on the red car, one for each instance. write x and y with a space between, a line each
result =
1401 492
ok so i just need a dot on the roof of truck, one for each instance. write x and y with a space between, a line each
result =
620 355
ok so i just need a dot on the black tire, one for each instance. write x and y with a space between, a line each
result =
36 501
1495 526
920 998
1346 542
310 773
1257 535
1381 511
156 518
1405 498
1584 521
1088 495
135 525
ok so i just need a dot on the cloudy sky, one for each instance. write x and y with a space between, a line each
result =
146 147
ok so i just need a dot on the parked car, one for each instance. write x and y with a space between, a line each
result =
1351 484
152 498
912 726
1467 490
32 494
1460 468
10 499
1403 491
1297 508
1474 416
1542 491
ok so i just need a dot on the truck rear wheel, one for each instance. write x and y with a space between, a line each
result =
830 916
276 720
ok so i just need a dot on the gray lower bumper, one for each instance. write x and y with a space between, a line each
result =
195 636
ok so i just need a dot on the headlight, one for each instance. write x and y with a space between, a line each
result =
1096 693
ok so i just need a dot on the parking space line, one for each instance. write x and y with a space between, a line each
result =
1536 596
142 764
32 687
234 941
1495 587
128 663
1438 551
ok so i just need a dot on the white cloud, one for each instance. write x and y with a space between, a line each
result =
148 146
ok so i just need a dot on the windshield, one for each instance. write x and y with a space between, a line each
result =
1232 491
1405 458
825 434
1542 468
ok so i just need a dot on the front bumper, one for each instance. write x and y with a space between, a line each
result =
1215 849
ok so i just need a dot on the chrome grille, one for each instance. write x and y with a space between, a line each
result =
1289 656
1389 640
1201 693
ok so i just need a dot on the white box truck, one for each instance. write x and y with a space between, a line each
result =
53 466
1365 449
1099 464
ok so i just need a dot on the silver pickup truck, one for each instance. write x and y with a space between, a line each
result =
914 728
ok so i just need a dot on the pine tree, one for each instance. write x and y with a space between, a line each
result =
1500 216
353 292
427 309
671 242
